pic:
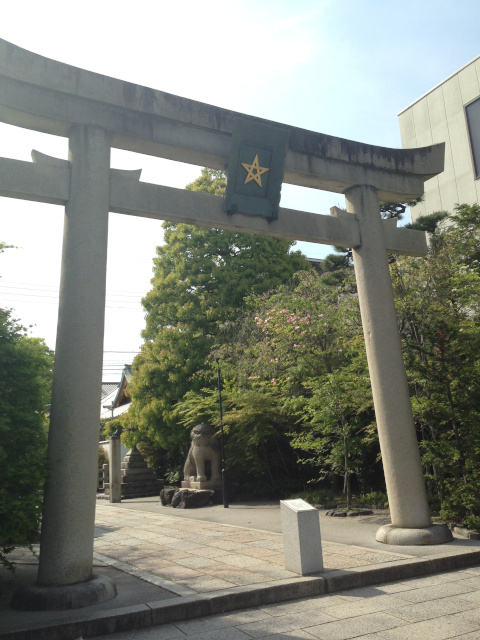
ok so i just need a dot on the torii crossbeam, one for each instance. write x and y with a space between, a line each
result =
96 113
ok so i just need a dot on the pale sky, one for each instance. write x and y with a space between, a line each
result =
341 67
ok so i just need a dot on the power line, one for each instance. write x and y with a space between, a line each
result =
107 306
30 295
121 352
50 290
41 295
47 287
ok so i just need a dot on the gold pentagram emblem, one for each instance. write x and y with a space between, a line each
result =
254 171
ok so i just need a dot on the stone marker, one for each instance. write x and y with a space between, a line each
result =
302 544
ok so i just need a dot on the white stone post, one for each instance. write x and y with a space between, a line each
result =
302 544
398 442
115 468
66 548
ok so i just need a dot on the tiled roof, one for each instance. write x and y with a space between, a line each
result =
108 387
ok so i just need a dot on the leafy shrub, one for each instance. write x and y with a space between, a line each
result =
102 457
461 504
317 496
374 498
25 381
473 523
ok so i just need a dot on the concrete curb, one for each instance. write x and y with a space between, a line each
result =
199 605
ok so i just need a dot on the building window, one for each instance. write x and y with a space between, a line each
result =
473 119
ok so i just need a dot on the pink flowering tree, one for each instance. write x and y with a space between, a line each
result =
305 341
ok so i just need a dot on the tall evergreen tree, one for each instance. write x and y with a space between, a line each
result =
201 277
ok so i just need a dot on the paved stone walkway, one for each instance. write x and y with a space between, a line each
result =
188 557
431 608
179 577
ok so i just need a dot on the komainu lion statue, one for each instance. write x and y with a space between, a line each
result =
203 460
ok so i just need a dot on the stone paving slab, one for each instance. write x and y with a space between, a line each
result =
198 568
233 556
367 613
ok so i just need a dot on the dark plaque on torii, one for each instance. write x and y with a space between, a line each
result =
255 170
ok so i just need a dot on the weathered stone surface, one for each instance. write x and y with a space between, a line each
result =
436 534
143 120
393 411
73 596
203 460
302 543
137 479
166 496
465 533
67 524
191 498
208 484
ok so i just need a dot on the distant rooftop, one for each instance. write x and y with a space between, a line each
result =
108 387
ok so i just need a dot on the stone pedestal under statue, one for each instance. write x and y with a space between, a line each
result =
200 486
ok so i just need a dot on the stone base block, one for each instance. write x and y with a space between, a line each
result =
73 596
137 489
209 485
191 498
436 534
166 495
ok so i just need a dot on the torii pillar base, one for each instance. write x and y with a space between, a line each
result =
436 534
73 596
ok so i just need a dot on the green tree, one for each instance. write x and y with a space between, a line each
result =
259 459
201 277
25 381
438 304
301 347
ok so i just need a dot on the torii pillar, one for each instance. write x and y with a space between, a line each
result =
65 577
407 496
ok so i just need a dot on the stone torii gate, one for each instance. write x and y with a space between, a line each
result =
97 113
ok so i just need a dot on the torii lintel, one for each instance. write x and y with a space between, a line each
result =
47 179
50 96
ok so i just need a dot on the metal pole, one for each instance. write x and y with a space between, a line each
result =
224 471
115 468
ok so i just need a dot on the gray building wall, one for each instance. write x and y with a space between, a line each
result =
440 116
